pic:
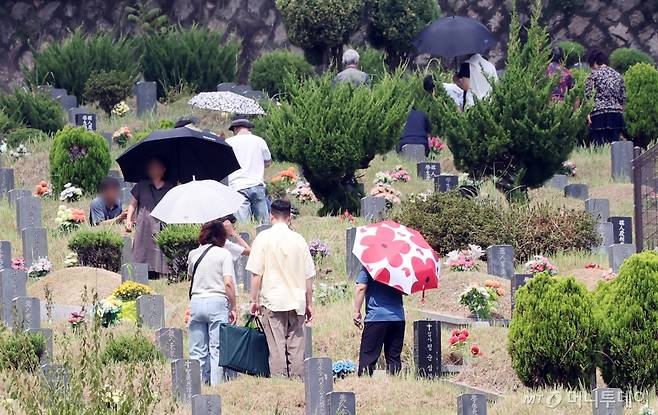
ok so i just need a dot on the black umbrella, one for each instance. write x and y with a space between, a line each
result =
187 152
454 36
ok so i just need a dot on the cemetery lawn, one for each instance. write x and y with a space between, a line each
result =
334 334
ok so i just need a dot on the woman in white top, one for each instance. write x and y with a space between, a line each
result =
212 298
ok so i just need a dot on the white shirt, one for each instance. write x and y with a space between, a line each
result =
457 95
252 153
210 273
480 70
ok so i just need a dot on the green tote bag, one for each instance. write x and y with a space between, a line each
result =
244 349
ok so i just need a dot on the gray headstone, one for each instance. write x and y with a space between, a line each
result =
241 274
559 181
67 101
127 250
27 313
245 236
341 403
35 245
308 339
598 208
428 170
607 236
500 261
373 208
108 139
618 253
151 311
47 334
6 181
318 382
261 228
57 92
170 342
147 97
413 152
241 89
15 194
608 401
427 348
56 376
621 154
255 95
472 404
206 405
86 119
73 112
28 213
226 86
185 379
352 262
445 182
135 272
577 191
622 229
13 283
5 255
518 281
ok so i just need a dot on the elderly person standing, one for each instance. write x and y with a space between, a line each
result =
351 73
282 290
254 156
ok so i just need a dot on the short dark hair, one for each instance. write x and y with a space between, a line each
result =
281 208
557 54
213 233
596 56
108 183
182 122
464 70
428 83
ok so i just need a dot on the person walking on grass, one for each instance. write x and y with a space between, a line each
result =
282 290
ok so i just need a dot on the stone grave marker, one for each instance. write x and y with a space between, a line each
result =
352 263
341 403
28 213
413 152
500 261
56 376
518 281
151 311
56 92
608 401
185 379
225 86
27 313
13 283
72 113
598 208
127 250
170 342
35 245
427 348
87 120
617 254
607 236
308 339
428 170
263 227
373 208
621 154
147 97
559 181
318 382
577 191
108 139
135 272
445 182
622 229
15 194
255 95
5 255
472 404
6 181
47 334
67 101
206 405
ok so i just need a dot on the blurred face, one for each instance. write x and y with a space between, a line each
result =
463 83
110 195
155 170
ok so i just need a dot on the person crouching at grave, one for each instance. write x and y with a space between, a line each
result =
417 129
105 209
282 290
384 324
212 298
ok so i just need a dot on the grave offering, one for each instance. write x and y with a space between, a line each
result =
15 194
151 311
608 401
559 181
5 255
472 404
622 229
206 405
373 208
48 337
6 181
621 154
445 182
341 403
318 382
185 379
170 342
147 97
35 245
428 170
135 272
351 261
518 281
28 213
413 152
427 348
617 254
27 313
13 283
598 208
87 120
500 261
577 191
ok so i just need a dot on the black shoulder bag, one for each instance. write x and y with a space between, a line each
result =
196 265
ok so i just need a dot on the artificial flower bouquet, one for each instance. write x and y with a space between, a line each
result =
569 168
39 269
386 191
120 109
465 260
539 264
69 219
127 294
70 193
282 182
303 192
482 300
107 311
343 368
122 136
42 189
436 147
459 343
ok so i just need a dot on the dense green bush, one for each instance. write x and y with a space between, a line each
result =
130 349
79 157
32 109
196 57
641 110
627 314
176 242
552 336
6 123
69 63
21 351
25 136
108 88
331 132
623 58
98 249
373 62
270 71
574 52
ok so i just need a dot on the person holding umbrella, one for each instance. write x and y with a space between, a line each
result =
482 73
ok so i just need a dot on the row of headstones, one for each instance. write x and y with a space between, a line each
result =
145 93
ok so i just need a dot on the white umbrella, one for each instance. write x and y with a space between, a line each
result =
197 202
226 101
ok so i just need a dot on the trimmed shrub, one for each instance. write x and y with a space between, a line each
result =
21 351
623 58
196 57
373 62
176 242
627 314
641 111
25 136
33 109
552 336
108 88
98 249
79 157
6 123
574 52
68 64
270 71
130 349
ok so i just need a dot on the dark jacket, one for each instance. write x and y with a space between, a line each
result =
416 130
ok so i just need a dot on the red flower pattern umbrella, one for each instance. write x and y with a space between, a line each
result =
397 256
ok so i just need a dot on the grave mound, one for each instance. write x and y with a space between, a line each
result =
67 285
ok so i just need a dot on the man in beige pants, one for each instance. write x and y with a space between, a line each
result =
282 290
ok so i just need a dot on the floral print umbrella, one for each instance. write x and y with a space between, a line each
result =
397 256
226 101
